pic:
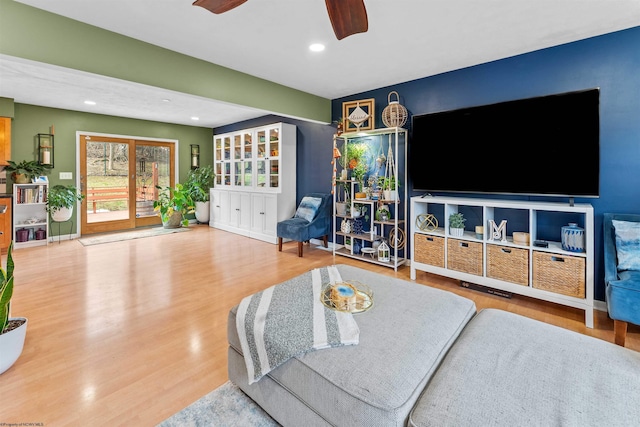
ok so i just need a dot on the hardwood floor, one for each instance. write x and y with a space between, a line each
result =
128 333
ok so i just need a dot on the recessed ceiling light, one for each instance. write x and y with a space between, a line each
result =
90 102
316 47
195 118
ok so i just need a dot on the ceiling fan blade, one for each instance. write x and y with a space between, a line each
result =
218 6
347 17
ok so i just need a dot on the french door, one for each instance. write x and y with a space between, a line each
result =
118 178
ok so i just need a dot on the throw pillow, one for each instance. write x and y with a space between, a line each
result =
627 244
308 208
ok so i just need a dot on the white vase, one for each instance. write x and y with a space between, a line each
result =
62 214
456 232
202 212
12 344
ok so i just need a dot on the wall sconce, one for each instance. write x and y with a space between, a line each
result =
195 156
45 149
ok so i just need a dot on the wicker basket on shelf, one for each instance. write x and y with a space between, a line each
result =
464 256
508 264
560 274
429 249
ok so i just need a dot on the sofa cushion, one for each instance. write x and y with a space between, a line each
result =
627 244
403 338
507 369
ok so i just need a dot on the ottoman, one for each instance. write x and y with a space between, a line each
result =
509 370
403 339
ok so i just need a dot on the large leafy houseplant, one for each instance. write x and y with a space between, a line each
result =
6 290
355 154
62 196
199 182
12 330
29 169
176 200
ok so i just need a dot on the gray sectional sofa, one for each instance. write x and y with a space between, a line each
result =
426 358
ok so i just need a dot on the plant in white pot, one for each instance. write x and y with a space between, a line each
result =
12 330
389 190
198 184
60 201
456 224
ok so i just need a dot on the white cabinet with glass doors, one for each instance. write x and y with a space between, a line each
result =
256 161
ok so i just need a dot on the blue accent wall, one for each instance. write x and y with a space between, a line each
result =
610 62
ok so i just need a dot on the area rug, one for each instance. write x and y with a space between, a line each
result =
129 235
225 406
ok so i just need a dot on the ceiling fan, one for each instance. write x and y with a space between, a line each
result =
347 17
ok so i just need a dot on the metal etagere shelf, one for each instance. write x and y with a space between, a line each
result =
384 147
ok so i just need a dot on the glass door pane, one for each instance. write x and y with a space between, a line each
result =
274 174
218 155
153 167
261 173
106 180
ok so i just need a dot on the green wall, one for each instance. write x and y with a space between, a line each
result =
29 120
34 34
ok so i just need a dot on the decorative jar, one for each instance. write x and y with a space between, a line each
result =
573 238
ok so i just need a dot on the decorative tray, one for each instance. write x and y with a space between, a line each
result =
347 296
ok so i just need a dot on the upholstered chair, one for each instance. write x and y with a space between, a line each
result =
311 221
622 271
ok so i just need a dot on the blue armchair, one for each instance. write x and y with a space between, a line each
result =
311 221
622 285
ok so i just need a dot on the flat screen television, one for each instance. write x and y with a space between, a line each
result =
547 146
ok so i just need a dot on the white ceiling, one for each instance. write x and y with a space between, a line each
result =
407 39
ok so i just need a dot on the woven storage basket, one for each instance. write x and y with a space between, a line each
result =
508 264
429 249
559 273
464 256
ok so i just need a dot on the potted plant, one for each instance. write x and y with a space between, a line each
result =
389 188
60 201
341 204
358 174
12 330
456 224
173 205
354 154
25 171
339 125
198 183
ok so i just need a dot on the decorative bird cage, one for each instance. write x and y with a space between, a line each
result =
394 114
384 252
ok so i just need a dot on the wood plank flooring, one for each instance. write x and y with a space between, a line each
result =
128 333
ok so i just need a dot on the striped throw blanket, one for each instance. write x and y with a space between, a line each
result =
289 319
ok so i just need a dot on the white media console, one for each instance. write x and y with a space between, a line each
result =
546 273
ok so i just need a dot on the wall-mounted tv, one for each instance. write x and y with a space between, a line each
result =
548 145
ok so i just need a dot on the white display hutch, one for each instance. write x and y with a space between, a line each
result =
29 213
379 141
437 259
255 183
